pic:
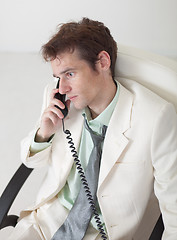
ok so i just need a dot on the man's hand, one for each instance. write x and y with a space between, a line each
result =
51 118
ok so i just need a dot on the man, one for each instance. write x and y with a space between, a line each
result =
139 153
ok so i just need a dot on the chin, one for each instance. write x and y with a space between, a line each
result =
79 106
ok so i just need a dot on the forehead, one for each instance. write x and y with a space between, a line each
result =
66 61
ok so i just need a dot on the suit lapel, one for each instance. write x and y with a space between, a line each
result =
115 140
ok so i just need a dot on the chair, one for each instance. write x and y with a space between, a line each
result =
155 72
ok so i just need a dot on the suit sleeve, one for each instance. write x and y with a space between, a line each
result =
41 158
164 157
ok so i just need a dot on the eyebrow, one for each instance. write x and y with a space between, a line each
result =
64 71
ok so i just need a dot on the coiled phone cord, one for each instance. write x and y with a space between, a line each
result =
84 181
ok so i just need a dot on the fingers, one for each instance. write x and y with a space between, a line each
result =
49 123
56 102
53 113
53 92
52 116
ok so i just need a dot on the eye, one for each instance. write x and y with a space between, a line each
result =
70 74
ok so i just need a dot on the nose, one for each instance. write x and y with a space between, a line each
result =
64 87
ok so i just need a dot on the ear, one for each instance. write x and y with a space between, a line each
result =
104 61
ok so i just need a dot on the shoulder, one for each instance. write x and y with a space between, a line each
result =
147 106
143 97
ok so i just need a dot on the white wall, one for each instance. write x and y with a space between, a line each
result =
149 24
26 25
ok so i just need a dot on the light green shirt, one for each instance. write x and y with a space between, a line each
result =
71 189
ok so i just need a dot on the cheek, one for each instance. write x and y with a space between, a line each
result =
85 96
85 86
83 89
83 100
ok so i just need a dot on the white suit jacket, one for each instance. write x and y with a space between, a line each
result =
139 161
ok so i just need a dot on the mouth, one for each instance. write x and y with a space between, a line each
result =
72 98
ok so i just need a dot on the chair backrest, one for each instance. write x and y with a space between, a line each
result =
155 72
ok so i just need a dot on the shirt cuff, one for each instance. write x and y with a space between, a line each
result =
40 146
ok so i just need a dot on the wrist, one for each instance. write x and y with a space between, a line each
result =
39 137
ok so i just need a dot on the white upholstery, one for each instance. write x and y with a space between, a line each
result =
155 72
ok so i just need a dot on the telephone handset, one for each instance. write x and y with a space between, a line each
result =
79 167
61 97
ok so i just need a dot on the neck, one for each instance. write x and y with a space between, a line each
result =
105 98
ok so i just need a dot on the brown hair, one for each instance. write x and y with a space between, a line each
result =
89 37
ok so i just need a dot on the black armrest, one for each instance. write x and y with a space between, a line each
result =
158 230
9 195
